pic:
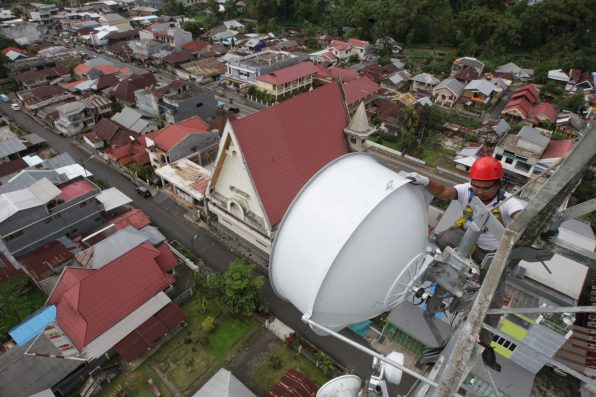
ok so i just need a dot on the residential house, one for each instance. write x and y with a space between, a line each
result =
34 212
196 46
461 63
362 89
75 117
264 160
223 383
177 58
122 36
204 69
288 80
24 375
517 72
544 113
99 106
580 80
11 149
519 106
15 54
479 95
44 96
97 67
124 92
341 51
245 70
569 123
179 140
424 83
448 92
115 20
555 151
48 260
135 121
42 12
144 50
288 45
108 134
467 74
186 180
397 81
558 76
115 304
469 154
134 151
335 73
35 78
492 130
181 100
167 33
520 153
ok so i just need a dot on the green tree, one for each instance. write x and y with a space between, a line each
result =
208 324
239 289
194 27
18 299
325 362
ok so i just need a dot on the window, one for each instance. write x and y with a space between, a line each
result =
13 236
84 203
505 343
508 160
51 218
199 104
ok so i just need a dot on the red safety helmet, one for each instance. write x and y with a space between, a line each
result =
486 169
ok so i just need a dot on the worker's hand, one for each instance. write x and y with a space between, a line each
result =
417 179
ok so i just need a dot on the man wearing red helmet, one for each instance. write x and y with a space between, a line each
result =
486 174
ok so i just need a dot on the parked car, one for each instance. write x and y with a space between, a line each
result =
4 98
234 110
143 191
15 106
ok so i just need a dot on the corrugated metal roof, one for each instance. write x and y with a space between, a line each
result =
33 325
114 246
38 193
224 384
112 198
11 146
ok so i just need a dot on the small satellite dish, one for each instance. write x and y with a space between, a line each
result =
342 386
393 374
352 243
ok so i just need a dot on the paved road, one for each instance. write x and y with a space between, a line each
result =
215 254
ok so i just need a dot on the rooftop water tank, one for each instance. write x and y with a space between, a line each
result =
351 244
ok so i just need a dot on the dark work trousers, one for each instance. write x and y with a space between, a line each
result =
451 237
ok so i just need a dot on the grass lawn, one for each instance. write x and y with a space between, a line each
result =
266 376
427 52
185 359
438 155
19 306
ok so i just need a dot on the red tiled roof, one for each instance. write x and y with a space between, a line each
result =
520 104
467 73
179 56
15 49
359 89
544 110
166 260
75 189
293 384
219 123
126 88
107 81
112 132
44 259
12 166
286 144
96 300
45 92
141 339
134 217
556 149
345 74
173 134
196 45
290 73
530 89
323 72
69 278
338 45
357 43
37 74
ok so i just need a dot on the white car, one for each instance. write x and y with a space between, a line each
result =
15 106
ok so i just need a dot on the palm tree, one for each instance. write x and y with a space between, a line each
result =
410 119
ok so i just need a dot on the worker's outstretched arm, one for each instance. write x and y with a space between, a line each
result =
436 189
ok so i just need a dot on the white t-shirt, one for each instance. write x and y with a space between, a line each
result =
487 241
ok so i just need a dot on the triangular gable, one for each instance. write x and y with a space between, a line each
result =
285 145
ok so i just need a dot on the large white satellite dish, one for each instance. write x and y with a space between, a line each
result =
342 386
352 243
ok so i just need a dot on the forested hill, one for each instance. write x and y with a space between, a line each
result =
557 31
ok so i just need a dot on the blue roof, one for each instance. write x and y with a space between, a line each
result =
33 325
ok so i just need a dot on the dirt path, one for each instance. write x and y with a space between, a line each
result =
251 357
171 386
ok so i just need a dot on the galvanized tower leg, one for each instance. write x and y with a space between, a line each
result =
456 360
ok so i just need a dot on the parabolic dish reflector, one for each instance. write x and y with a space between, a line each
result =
343 386
351 244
